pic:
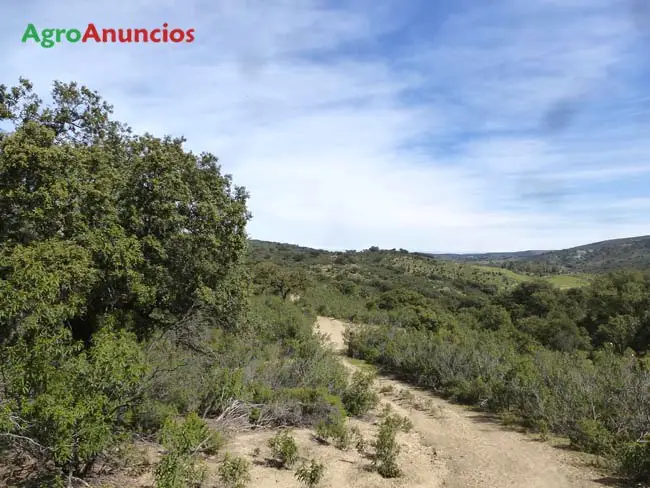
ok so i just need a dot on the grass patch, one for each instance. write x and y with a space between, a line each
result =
362 365
564 282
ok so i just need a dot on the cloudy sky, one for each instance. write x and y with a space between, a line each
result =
461 126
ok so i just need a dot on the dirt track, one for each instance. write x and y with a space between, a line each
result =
449 446
471 449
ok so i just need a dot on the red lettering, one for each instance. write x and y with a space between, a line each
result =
177 35
141 32
190 35
91 33
106 32
125 35
165 34
153 33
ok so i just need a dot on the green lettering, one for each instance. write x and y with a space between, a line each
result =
73 35
48 34
31 33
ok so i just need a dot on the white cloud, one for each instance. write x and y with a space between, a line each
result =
449 145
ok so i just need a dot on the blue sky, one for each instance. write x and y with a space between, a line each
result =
457 126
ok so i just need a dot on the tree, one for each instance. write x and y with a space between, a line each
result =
105 237
281 280
96 222
494 317
620 330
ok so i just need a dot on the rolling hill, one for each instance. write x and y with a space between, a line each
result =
632 252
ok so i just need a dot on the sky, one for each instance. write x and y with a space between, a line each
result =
450 126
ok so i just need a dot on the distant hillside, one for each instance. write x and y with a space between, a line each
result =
485 257
418 271
632 252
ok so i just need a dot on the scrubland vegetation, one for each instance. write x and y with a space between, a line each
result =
134 308
567 361
126 309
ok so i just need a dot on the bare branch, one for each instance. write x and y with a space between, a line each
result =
29 440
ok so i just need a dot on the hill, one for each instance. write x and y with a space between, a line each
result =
375 267
597 257
632 252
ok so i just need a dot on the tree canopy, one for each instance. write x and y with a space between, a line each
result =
99 223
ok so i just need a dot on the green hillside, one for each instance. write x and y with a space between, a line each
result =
420 271
602 256
632 253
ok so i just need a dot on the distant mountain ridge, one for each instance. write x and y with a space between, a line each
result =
630 252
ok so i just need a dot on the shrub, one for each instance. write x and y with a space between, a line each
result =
178 471
234 472
385 410
591 436
634 460
387 449
337 430
284 449
359 441
179 466
310 474
72 401
150 415
359 397
254 415
314 404
399 422
190 436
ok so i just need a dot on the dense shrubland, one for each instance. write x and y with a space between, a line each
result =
572 362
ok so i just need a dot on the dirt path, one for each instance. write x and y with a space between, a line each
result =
473 451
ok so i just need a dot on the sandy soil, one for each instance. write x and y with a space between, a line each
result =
472 449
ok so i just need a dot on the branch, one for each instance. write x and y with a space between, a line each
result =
17 437
85 483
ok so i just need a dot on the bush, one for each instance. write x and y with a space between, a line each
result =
150 415
337 430
72 401
592 436
179 466
314 404
359 397
310 474
284 449
387 449
234 472
190 436
399 422
634 460
359 441
178 471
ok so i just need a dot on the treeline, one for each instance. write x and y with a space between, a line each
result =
531 267
127 309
